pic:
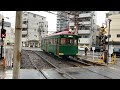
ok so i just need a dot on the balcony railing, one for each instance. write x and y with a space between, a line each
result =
24 25
84 40
85 22
84 15
83 31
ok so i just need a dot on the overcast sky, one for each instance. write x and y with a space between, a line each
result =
51 18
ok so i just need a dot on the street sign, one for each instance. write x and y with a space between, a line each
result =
93 48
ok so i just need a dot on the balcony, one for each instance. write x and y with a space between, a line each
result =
84 15
84 40
24 25
24 39
84 32
71 24
24 32
85 22
71 16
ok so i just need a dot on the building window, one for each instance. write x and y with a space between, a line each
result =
24 22
42 18
35 29
37 23
35 35
93 21
109 36
118 35
25 14
80 36
45 25
24 35
24 29
34 15
85 36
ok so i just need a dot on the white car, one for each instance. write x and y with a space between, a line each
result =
81 48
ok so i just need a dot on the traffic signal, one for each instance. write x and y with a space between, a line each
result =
3 33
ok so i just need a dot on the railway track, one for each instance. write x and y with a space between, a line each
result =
74 62
35 66
61 72
71 62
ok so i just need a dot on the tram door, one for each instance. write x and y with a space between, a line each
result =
57 46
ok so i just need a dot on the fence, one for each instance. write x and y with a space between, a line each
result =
8 55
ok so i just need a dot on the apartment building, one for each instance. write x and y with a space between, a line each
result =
114 12
114 29
35 27
86 29
62 20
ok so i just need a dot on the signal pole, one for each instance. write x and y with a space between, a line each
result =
1 37
17 47
109 35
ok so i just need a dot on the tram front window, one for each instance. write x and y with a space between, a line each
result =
70 41
75 42
63 41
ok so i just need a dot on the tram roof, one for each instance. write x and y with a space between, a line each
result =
62 33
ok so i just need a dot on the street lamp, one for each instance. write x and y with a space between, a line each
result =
109 35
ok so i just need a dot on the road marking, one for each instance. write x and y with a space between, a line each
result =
114 68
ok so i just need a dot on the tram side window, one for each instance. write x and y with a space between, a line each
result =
55 40
43 41
63 41
49 41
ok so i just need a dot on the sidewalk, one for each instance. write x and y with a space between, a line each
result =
90 59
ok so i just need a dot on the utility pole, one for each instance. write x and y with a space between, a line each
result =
76 21
17 47
109 35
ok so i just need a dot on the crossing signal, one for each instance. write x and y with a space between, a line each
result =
102 31
103 39
3 33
